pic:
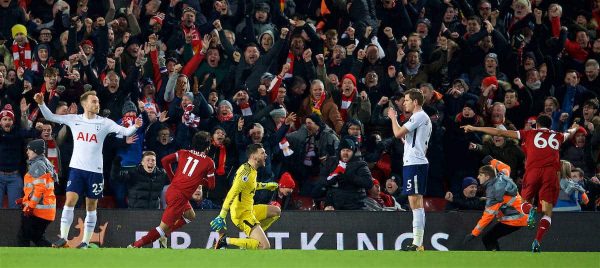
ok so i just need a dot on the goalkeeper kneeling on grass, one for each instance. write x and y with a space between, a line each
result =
250 218
503 202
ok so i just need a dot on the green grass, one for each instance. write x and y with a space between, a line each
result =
114 257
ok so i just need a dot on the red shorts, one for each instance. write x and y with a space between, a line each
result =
541 182
176 205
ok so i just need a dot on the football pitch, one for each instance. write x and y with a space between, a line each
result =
122 257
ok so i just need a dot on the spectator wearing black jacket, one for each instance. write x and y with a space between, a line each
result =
346 179
145 183
467 199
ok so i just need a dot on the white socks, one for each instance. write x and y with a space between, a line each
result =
90 225
66 220
418 226
160 231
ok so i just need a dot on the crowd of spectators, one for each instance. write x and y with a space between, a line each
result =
309 79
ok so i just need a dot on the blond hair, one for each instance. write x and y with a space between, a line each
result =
565 169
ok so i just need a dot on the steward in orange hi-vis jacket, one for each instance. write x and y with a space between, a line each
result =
503 203
39 202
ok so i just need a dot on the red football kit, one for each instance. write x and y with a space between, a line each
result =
542 167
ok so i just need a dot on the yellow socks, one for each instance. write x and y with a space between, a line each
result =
245 243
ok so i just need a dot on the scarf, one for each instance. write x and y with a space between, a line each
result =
222 158
196 39
310 151
52 154
315 105
346 101
245 107
188 118
290 59
21 55
284 145
224 118
127 121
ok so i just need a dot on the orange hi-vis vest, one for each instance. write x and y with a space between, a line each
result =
39 188
503 203
500 166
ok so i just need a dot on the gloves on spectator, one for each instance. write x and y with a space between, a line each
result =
27 211
218 224
19 201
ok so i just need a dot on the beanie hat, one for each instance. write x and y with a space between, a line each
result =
226 103
7 111
471 104
189 95
351 77
580 129
279 112
147 81
375 182
261 6
347 143
286 181
462 83
87 42
157 19
317 119
18 28
493 56
468 181
490 80
37 146
425 21
267 75
128 106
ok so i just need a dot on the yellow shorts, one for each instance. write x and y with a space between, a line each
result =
246 220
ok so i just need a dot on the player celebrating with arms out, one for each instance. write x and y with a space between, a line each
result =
193 168
250 218
85 176
542 168
415 134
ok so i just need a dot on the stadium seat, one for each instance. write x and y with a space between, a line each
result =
433 204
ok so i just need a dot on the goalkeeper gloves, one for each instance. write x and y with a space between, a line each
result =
271 186
218 224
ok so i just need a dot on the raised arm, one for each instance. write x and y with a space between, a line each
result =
61 119
399 131
492 131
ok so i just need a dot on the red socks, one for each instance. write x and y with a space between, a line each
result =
543 227
147 239
178 223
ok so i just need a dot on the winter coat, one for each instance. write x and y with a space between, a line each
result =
144 188
346 191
